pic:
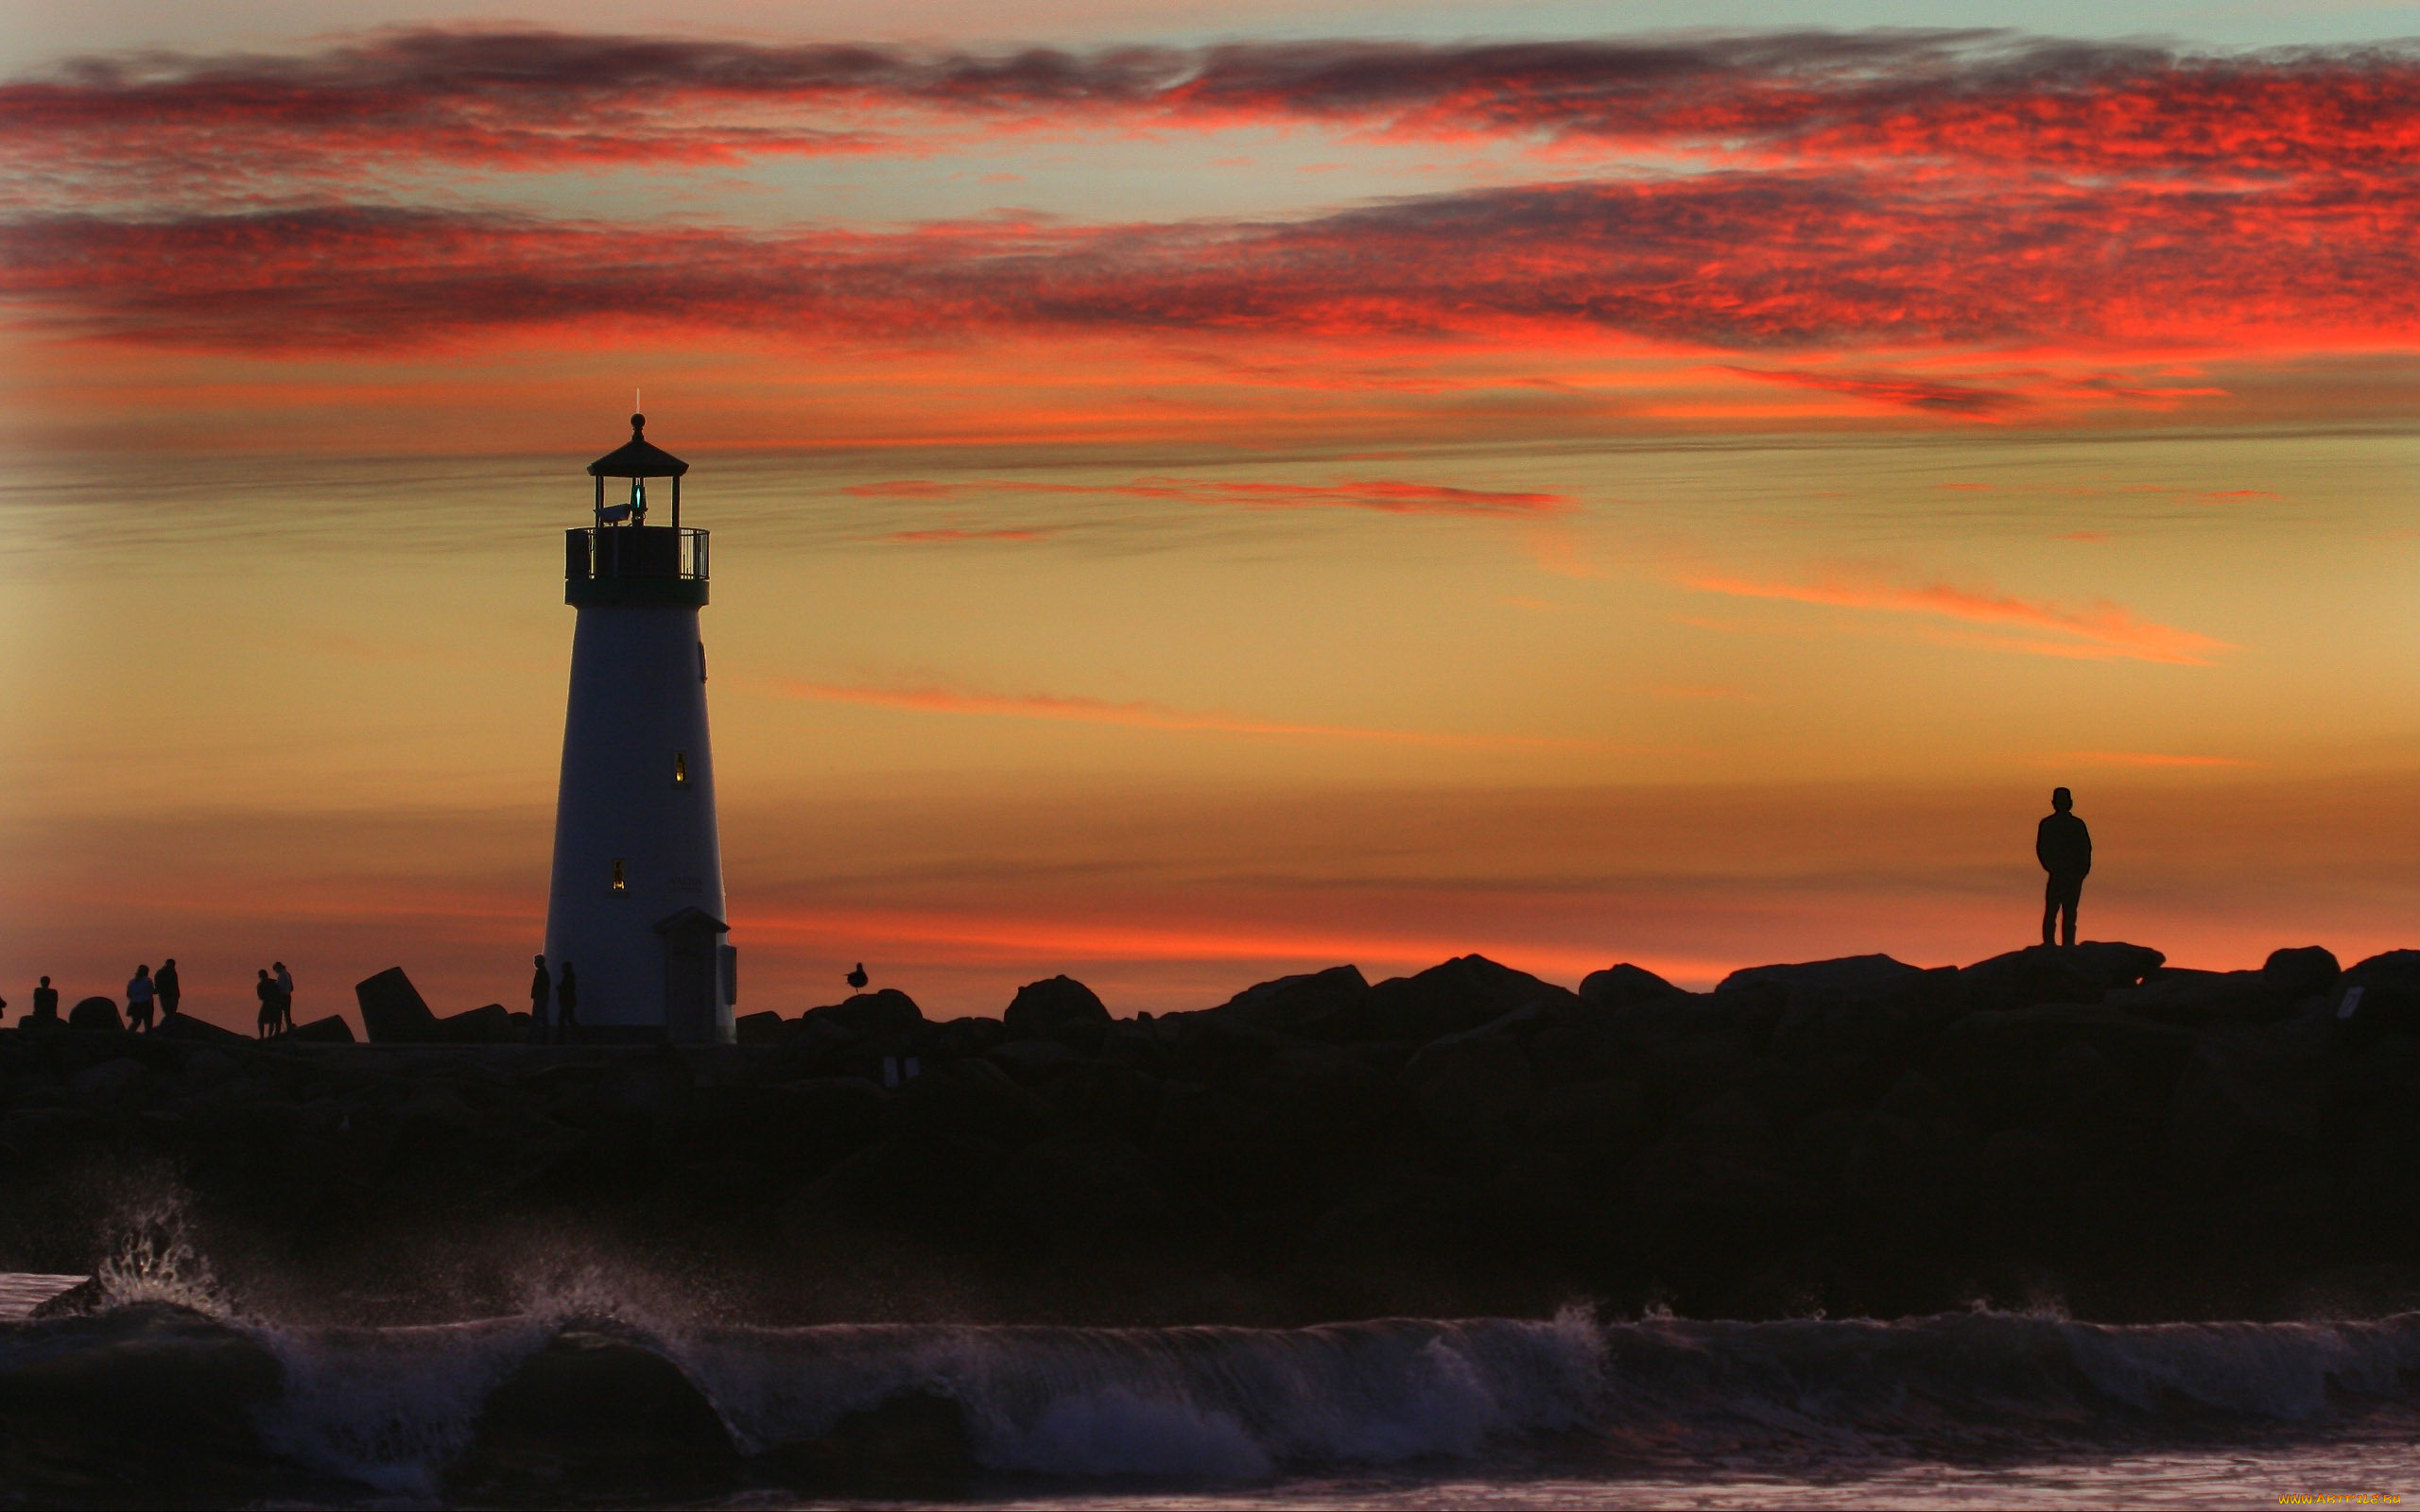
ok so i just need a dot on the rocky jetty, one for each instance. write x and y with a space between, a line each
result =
2085 1127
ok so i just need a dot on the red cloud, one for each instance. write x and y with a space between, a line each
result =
1715 261
533 99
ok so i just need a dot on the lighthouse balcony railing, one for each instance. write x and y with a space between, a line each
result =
635 551
633 562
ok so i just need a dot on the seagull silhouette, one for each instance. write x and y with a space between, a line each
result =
857 978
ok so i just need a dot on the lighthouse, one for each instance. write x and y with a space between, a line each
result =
637 906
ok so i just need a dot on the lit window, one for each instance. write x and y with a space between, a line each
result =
621 882
679 768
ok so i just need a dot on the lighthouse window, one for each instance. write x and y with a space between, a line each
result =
621 881
679 768
702 661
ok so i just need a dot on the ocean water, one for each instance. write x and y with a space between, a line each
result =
1970 1409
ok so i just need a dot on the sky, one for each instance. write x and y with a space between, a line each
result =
1207 492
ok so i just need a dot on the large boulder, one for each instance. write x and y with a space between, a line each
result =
1616 985
489 1026
187 1029
96 1013
592 1410
1849 975
331 1030
1332 1005
2378 997
1467 1080
2000 1067
970 1100
2305 971
765 1028
885 1022
2191 997
1462 993
1077 1194
2059 973
1059 1007
392 1011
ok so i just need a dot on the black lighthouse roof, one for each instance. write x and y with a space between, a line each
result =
637 457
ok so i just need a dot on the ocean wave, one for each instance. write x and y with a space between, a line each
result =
399 1409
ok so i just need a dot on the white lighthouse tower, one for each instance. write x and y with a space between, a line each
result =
636 907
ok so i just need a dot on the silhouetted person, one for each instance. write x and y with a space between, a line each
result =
284 995
567 1005
2063 846
138 1000
857 978
45 1003
270 1014
541 992
163 983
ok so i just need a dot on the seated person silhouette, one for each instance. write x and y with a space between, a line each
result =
2063 846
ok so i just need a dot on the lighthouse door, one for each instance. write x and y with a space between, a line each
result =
690 959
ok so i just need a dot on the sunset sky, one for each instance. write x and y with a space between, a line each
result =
1201 493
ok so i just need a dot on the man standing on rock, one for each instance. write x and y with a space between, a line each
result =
164 985
2063 846
285 996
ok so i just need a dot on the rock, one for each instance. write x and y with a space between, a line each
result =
766 1028
106 1084
595 1410
1464 1080
971 1100
1594 1123
393 1012
2379 996
2246 1108
952 1038
149 1406
2189 997
183 1028
489 1026
885 1022
1034 1060
1331 1005
2050 974
2001 1067
2301 973
1080 1193
925 1184
331 1030
96 1013
1462 993
1058 1008
1616 985
1850 975
914 1445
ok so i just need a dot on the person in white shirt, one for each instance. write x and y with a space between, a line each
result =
138 1000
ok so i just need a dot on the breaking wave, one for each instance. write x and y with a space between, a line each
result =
395 1409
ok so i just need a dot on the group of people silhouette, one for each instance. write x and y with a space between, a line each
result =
554 1005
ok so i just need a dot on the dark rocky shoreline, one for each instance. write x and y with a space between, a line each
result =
2082 1128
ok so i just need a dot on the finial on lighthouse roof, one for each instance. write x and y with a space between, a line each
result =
638 457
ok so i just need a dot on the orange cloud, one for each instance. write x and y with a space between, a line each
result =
1139 714
941 536
2141 758
2097 631
1387 495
